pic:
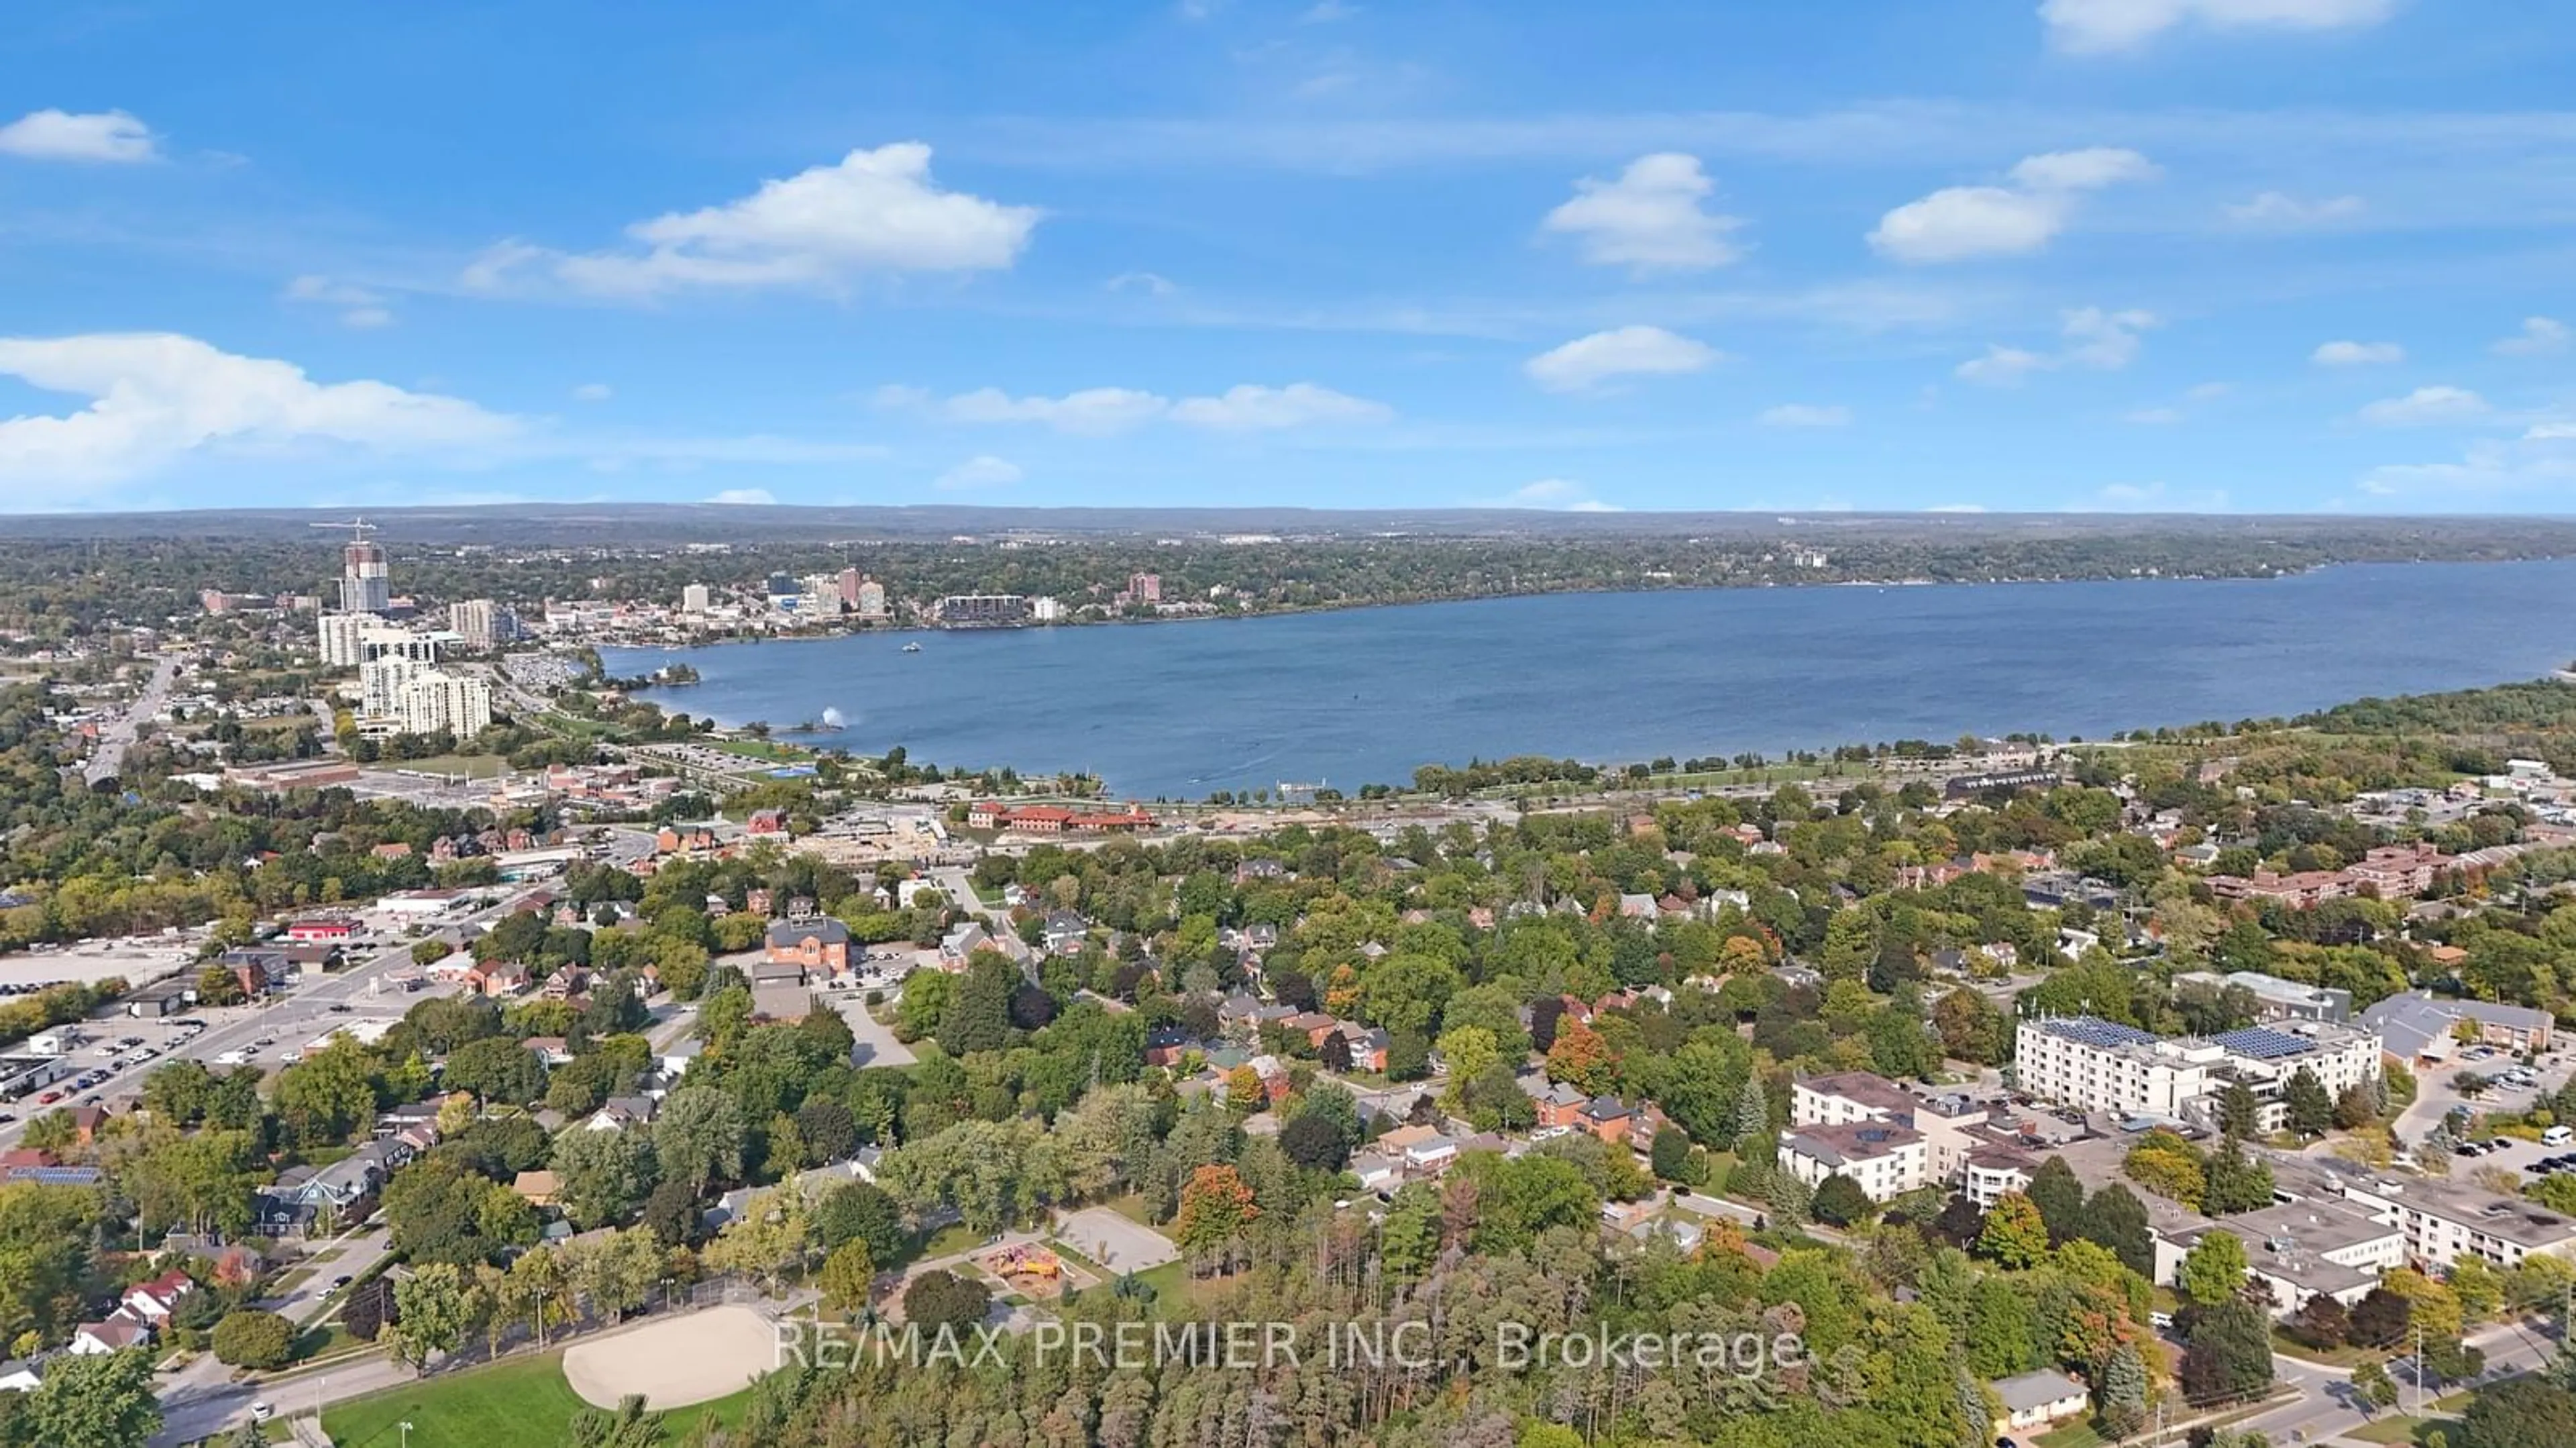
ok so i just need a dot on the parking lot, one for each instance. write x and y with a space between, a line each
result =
91 961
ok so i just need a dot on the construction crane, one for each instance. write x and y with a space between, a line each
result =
358 528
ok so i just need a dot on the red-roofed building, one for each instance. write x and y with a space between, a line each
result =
323 930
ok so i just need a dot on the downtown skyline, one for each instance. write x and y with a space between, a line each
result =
2159 255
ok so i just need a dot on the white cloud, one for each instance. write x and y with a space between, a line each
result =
1100 411
2539 337
1586 362
1561 494
982 471
2100 340
2357 354
593 392
2281 211
2089 169
1960 222
358 306
2154 416
1325 12
2091 27
744 498
1247 408
873 212
1649 219
2206 391
157 398
2543 459
50 135
2151 498
1799 414
1149 283
1956 508
2426 407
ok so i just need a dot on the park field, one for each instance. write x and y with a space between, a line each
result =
523 1402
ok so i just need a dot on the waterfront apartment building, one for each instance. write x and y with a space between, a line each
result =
695 598
2103 1066
871 598
983 610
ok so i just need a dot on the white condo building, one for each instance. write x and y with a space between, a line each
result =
2103 1066
694 598
477 621
405 696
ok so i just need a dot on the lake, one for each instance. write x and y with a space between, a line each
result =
1363 695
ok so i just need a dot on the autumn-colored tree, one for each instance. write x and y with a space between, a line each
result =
1215 1206
1243 1089
1580 1058
2015 1234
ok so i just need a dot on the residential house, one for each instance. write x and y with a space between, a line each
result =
1423 1149
537 1188
1377 1172
1165 1045
1369 1045
2037 1399
1560 1106
1065 932
155 1300
550 1049
1607 1118
497 979
116 1332
619 1113
767 822
960 944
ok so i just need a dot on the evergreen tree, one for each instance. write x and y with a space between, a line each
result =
1753 1139
2235 1182
2239 1114
2116 1219
2060 1199
2123 1393
2311 1110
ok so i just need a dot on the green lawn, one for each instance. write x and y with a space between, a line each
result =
2400 1428
520 1403
948 1241
2073 1435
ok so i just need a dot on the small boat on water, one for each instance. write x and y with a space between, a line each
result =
912 648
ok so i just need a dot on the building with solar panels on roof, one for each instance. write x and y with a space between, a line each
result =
2100 1065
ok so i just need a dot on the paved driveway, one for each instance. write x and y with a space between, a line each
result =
1115 1242
876 1043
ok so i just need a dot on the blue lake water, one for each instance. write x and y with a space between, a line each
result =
1365 695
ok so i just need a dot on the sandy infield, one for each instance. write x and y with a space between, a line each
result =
693 1359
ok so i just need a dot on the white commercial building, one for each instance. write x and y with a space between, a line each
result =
694 598
2103 1066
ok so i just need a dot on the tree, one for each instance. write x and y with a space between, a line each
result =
2123 1394
2235 1183
978 1017
2213 1271
364 1313
2520 1413
2311 1110
1580 1058
1670 1156
1840 1202
698 1137
429 1308
767 1239
1753 1139
940 1298
860 1212
2322 1323
497 1069
249 1338
2240 1114
2115 1218
1313 1143
628 1425
2059 1197
829 1130
2230 1356
101 1401
1467 1051
601 1177
1215 1207
848 1275
328 1095
2372 1382
2356 1107
2014 1234
2381 1318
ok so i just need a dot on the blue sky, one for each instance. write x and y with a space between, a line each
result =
2182 255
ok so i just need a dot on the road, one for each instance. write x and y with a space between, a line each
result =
2327 1404
117 736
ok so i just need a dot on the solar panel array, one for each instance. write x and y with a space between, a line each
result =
2263 1043
2094 1031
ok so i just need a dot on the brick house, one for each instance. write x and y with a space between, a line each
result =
818 945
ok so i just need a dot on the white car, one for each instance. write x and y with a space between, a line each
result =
261 1412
